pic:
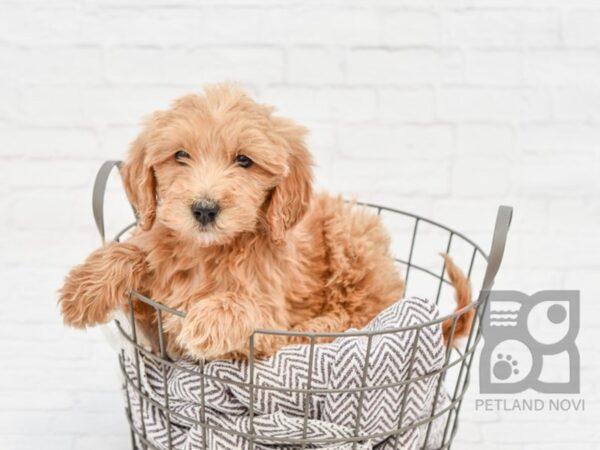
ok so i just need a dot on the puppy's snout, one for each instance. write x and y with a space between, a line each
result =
205 211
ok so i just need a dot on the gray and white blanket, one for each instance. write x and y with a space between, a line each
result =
278 416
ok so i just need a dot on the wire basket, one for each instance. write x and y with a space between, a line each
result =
452 376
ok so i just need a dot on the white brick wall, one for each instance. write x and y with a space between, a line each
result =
443 107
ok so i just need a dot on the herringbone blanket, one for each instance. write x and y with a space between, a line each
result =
279 415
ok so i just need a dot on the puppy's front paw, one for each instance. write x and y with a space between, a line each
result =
97 287
217 326
78 300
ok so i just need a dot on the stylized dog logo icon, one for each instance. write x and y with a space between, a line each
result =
522 335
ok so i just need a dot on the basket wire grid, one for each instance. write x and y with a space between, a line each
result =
457 359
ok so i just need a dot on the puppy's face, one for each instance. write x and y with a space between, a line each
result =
215 174
218 165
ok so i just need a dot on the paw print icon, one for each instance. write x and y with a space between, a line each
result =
529 343
505 367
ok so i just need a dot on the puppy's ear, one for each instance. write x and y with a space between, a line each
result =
140 182
291 197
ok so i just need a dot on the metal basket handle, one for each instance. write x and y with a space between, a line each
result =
503 219
98 194
110 334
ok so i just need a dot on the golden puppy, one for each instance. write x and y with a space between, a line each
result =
230 231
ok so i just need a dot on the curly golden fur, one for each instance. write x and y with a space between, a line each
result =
276 256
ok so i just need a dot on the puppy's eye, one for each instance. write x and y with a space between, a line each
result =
243 161
181 155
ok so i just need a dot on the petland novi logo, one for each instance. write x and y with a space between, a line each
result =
530 343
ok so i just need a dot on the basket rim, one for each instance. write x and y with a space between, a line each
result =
429 221
353 333
314 334
417 217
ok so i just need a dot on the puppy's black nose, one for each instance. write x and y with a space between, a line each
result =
205 211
